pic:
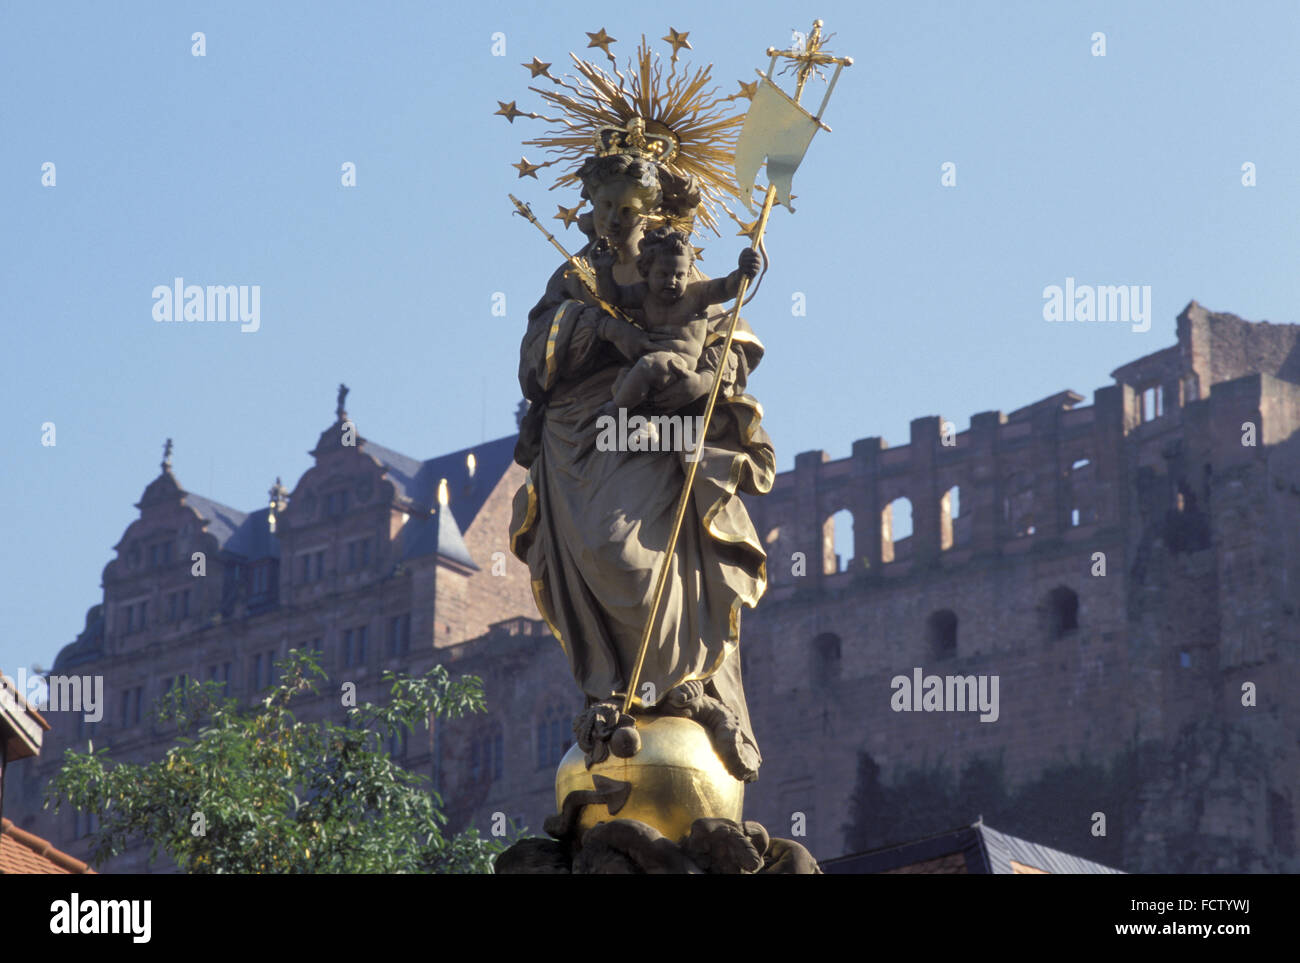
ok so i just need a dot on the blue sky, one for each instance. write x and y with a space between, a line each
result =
921 299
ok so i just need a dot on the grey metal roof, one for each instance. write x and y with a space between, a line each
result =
220 520
986 851
418 480
435 533
1001 849
254 539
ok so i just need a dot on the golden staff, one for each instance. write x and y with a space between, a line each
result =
777 128
584 273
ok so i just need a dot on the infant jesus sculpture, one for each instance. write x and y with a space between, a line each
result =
669 304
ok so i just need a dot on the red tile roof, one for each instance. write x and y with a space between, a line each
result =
23 852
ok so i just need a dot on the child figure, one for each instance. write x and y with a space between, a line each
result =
671 306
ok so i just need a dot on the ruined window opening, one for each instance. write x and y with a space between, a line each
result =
1062 612
1152 405
941 634
838 543
1018 505
952 531
1082 492
896 530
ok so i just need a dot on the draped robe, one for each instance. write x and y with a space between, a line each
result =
593 525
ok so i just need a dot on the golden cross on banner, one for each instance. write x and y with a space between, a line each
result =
808 59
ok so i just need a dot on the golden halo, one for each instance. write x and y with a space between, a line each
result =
680 106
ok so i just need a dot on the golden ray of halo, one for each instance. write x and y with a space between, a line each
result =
684 100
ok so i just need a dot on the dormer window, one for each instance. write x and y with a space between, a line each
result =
336 503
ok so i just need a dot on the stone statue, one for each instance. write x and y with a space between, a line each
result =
655 781
591 528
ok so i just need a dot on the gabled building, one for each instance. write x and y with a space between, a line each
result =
374 559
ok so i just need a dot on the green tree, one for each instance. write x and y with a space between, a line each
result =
254 790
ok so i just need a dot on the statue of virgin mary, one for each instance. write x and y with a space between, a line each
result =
593 525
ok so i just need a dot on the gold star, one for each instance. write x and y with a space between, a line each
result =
748 89
567 214
537 68
678 40
602 40
508 111
526 169
699 253
747 229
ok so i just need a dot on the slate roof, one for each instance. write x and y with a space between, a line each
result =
975 849
254 538
435 533
418 480
24 852
222 520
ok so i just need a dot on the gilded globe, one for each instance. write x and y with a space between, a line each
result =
676 779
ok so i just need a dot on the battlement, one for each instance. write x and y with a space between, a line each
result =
1050 473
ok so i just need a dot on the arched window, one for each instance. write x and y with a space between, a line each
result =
941 634
826 658
837 542
896 531
1061 610
554 736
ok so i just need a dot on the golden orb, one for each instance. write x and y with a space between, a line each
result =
676 779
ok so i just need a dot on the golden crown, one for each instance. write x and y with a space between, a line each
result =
635 139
